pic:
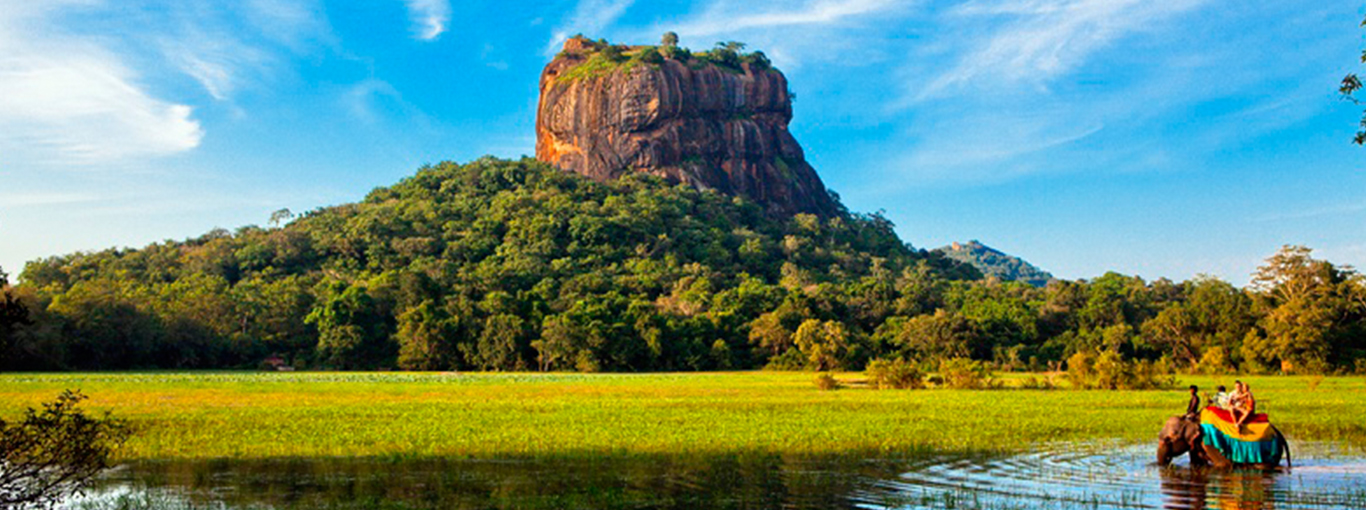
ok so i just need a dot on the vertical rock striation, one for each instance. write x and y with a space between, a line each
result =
691 121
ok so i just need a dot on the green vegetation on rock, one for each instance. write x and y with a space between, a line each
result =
601 58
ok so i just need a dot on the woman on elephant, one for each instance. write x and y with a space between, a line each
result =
1245 407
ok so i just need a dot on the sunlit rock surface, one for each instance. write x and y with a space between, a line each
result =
701 124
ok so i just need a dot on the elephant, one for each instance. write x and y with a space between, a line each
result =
1181 435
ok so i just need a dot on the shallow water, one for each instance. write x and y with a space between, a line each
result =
1067 476
1106 476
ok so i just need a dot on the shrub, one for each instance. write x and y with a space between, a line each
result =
55 452
1034 383
1110 371
1079 370
758 61
648 55
825 381
895 374
676 53
791 359
1215 361
966 374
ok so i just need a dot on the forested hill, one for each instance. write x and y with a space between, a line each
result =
493 265
992 262
513 265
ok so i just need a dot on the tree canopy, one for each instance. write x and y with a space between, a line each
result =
514 265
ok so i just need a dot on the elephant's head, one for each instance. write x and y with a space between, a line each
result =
1180 436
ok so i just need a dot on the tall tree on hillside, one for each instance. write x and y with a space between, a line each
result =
1307 303
1351 84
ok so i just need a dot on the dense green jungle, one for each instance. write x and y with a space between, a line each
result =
513 265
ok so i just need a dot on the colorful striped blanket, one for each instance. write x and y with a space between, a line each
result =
1255 443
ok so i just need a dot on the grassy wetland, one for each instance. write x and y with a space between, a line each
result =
183 416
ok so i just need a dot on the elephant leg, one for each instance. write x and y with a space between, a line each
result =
1198 457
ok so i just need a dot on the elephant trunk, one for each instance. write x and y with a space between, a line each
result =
1164 454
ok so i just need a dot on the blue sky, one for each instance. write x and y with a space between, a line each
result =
1163 139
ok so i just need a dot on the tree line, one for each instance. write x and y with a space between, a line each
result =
513 265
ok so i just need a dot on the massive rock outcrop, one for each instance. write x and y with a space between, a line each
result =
691 120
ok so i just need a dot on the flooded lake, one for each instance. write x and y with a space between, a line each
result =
1071 476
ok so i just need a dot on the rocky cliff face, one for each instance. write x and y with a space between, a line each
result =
692 121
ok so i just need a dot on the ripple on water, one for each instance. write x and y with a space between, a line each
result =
1103 476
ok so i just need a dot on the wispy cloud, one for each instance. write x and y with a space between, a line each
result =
1036 40
430 17
16 200
590 17
64 99
1321 212
731 17
227 48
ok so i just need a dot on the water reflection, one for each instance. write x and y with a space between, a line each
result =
1105 476
1092 477
1201 489
740 481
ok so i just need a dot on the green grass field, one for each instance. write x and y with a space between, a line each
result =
403 415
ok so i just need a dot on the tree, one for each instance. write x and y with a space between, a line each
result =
824 343
281 217
1214 315
1307 304
54 453
500 343
1350 85
352 331
941 335
669 40
13 313
424 338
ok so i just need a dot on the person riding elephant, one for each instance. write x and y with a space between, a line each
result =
1180 436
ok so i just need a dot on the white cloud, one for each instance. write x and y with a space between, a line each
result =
429 17
17 200
66 100
1039 40
590 17
228 48
726 17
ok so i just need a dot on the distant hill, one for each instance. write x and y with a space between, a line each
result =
992 262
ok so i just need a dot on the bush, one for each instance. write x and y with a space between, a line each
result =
1110 371
895 374
1034 383
966 374
55 452
1079 370
825 381
1215 361
676 53
649 56
791 359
